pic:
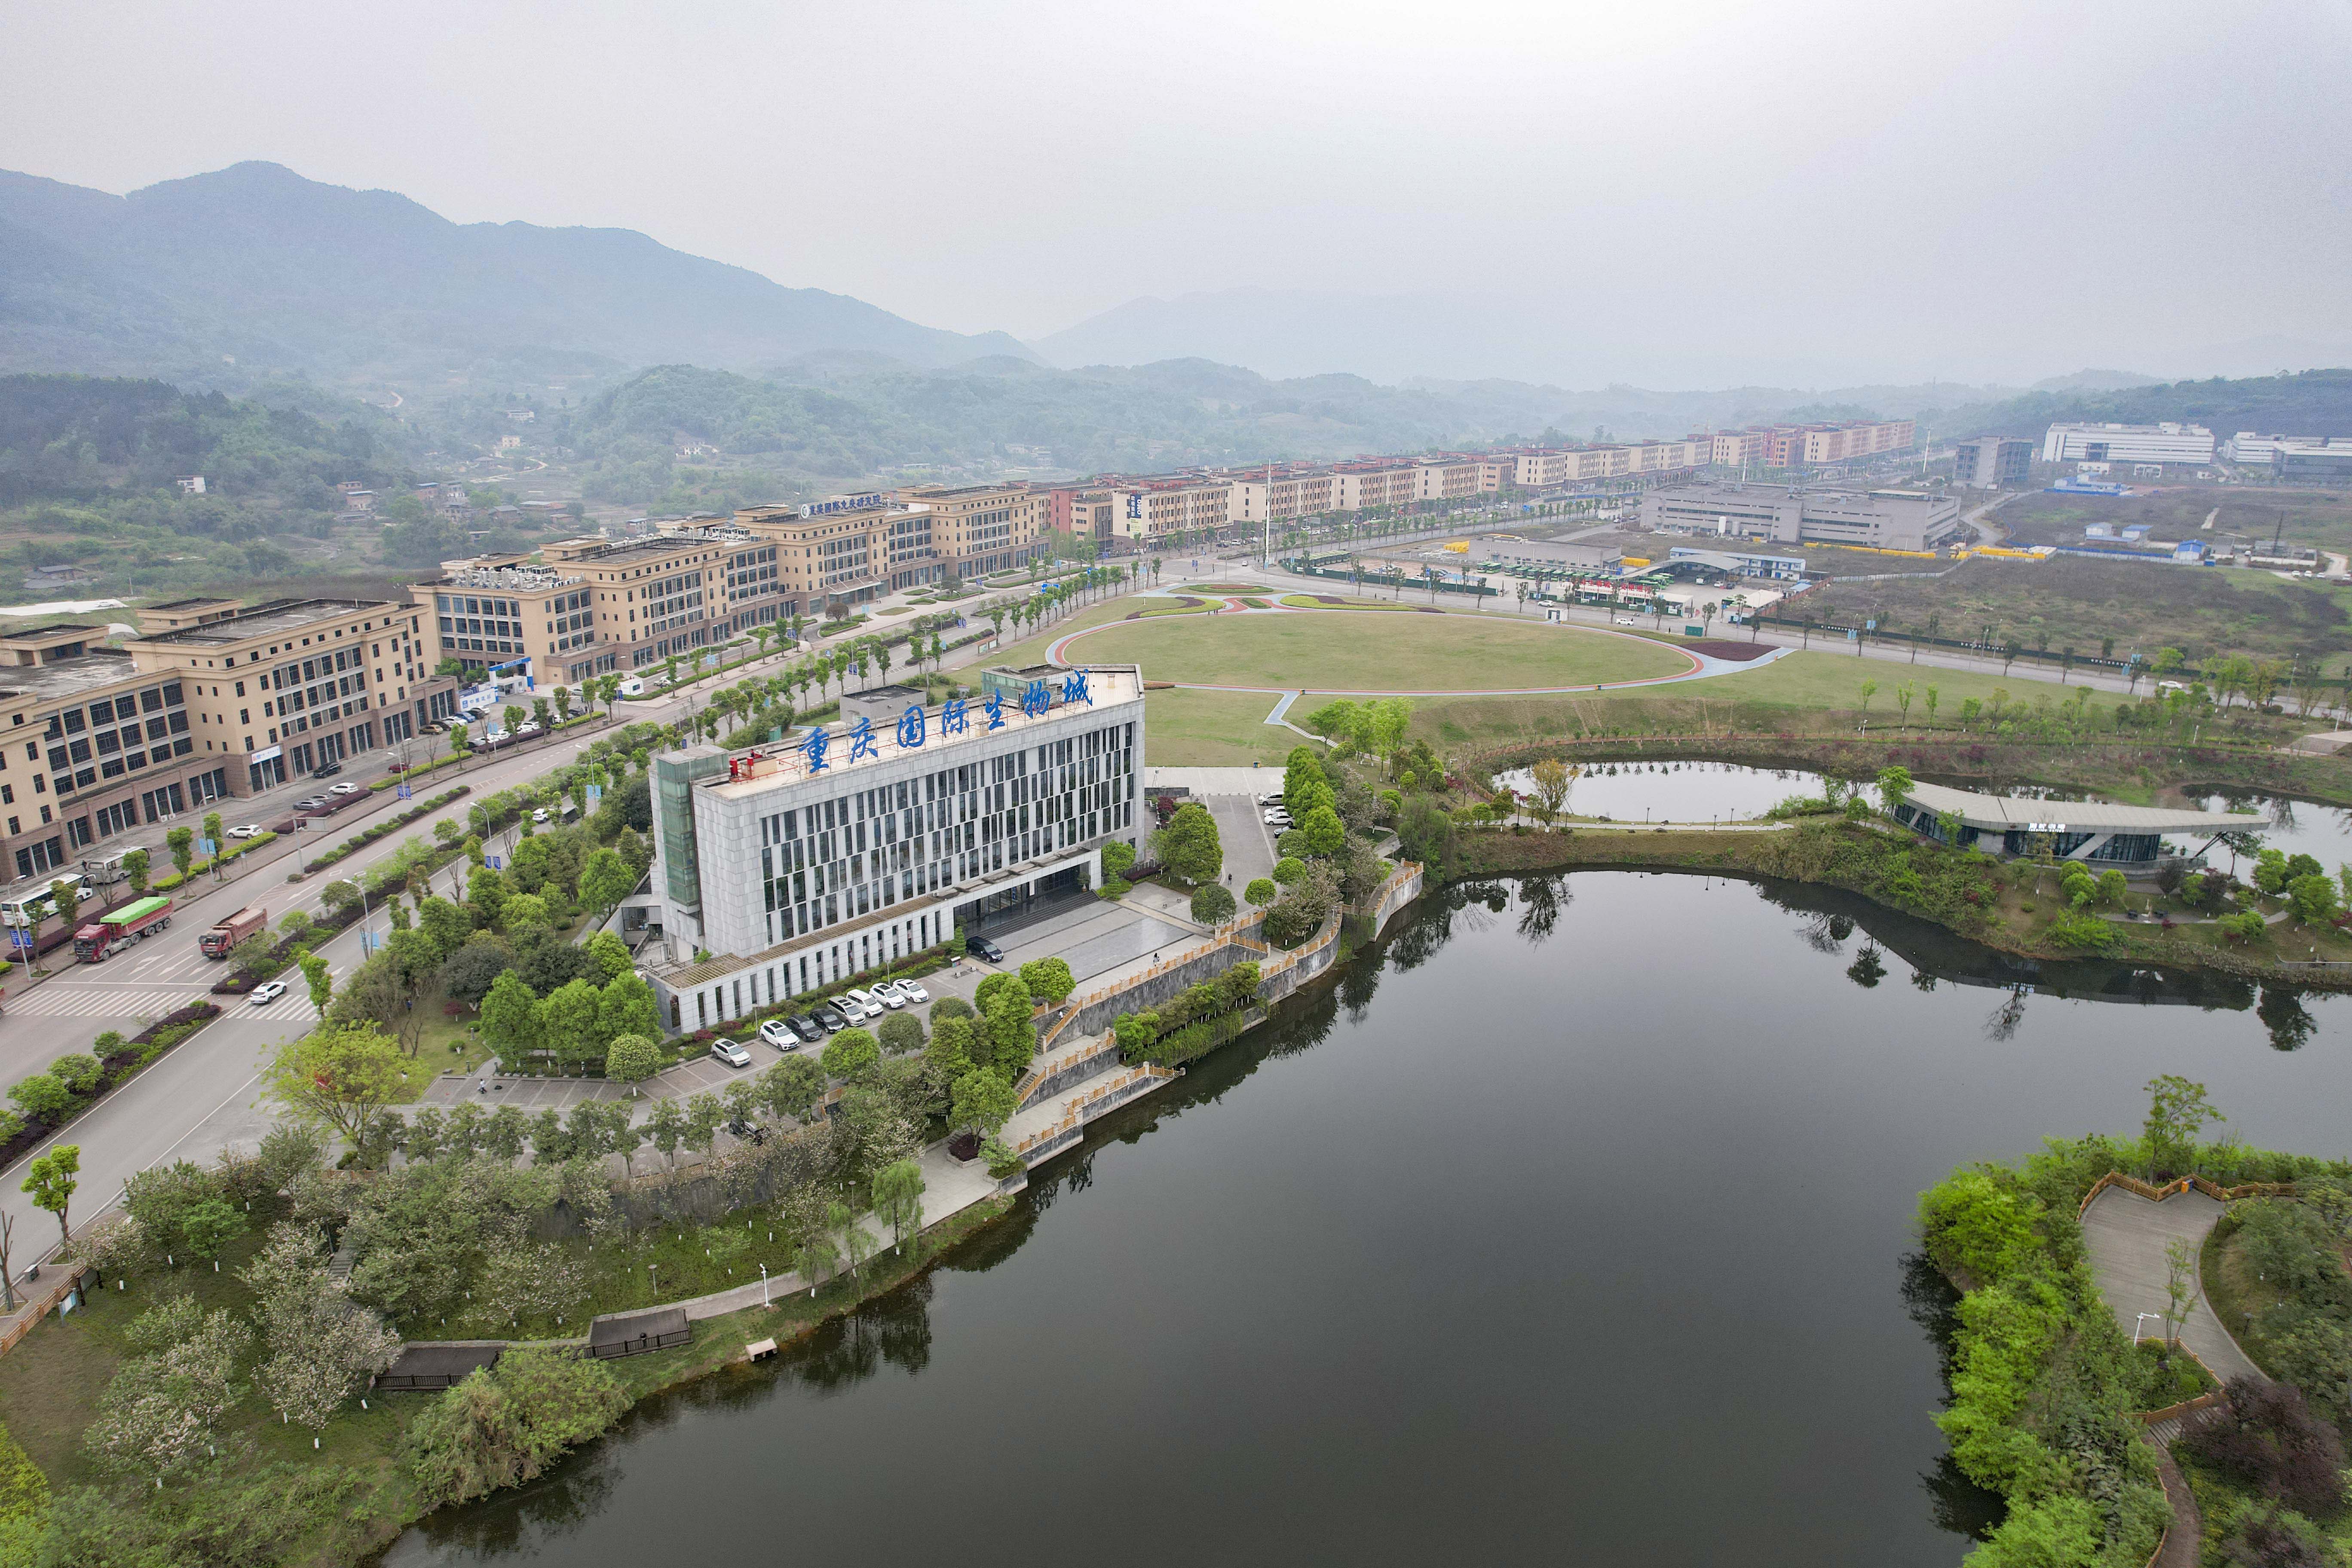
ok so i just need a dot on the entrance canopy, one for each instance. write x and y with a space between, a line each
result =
2127 835
2001 814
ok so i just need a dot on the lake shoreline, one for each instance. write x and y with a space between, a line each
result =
1749 855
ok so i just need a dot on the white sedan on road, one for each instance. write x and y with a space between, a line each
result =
244 830
268 991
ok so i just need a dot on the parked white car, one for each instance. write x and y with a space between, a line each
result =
913 993
889 994
850 1006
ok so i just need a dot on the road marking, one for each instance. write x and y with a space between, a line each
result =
89 1002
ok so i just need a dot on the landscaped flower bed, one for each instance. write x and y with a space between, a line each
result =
113 1068
360 841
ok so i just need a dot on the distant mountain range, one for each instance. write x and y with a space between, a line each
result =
280 274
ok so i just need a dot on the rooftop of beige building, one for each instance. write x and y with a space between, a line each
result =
277 617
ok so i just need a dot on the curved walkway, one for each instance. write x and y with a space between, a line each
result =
1702 665
2126 1235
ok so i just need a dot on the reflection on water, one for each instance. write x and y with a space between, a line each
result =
2297 826
1675 791
1369 1284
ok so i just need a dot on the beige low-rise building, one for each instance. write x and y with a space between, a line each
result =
211 701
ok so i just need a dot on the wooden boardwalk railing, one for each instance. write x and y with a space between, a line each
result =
38 1307
2155 1194
1074 1109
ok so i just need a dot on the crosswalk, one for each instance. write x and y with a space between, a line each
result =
59 1000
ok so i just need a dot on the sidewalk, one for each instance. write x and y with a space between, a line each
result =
950 1188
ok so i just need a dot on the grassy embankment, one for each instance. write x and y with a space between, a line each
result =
50 1382
2015 908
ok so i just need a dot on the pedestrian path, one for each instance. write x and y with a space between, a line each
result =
2126 1235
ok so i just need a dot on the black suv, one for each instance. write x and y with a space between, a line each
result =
980 947
807 1029
830 1017
326 770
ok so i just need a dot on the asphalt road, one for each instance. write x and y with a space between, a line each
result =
205 1094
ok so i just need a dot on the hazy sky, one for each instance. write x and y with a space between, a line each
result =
1685 194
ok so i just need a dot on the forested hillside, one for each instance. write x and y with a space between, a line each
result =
2315 403
252 271
86 472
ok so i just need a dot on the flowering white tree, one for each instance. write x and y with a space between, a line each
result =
161 1412
321 1344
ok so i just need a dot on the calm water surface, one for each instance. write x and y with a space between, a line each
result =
1571 1227
1675 791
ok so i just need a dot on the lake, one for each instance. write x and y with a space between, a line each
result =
1675 791
1572 1226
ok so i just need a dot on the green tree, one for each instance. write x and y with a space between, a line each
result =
44 1097
1118 855
626 1006
1288 871
604 881
850 1054
666 1130
610 954
210 1224
1261 892
1048 980
2177 1112
568 1023
339 1076
1009 1026
510 1018
506 1425
1324 833
318 977
134 862
631 1058
982 1101
947 1055
898 1199
50 1182
67 896
1189 846
1869 691
1212 905
900 1034
214 833
1895 786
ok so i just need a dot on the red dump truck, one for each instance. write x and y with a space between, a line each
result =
110 935
216 941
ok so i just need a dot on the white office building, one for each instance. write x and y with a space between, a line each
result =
2247 447
2127 443
798 864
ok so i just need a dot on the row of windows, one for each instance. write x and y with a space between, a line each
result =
459 605
841 859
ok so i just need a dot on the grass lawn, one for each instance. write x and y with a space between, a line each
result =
433 1056
2083 602
1329 651
1770 697
51 1383
1214 729
1032 649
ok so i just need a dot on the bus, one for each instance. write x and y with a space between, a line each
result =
34 902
